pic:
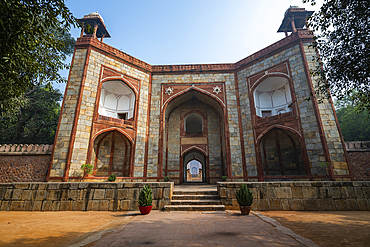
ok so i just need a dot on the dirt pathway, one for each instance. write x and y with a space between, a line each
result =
335 228
58 228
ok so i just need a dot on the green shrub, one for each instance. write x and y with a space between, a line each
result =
145 196
244 196
87 168
112 178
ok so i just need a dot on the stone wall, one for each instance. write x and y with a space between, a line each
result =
94 63
173 162
307 196
291 56
214 146
359 158
68 114
329 124
24 163
71 196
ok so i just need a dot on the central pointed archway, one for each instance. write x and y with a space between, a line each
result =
194 120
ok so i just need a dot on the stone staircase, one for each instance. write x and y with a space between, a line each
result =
185 200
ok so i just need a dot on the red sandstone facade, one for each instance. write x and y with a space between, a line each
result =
249 120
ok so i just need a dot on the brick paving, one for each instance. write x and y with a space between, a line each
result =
197 229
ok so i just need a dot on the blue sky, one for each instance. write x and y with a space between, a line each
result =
188 32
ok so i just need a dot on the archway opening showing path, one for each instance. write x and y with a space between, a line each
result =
194 170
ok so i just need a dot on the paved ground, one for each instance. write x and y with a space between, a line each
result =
184 229
197 229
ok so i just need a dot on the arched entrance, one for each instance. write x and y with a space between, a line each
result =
194 121
194 167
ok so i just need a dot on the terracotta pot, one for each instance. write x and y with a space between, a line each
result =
245 209
145 209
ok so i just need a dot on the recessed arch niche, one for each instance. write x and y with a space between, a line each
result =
281 153
272 96
117 100
111 155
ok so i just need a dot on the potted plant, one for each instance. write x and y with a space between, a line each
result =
112 178
224 178
245 199
166 179
88 169
145 200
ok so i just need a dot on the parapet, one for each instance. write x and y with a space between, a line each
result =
25 149
358 146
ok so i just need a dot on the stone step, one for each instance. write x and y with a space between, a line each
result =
195 202
194 208
195 197
204 192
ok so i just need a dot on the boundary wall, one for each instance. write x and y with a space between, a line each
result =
24 163
30 163
300 196
80 196
359 158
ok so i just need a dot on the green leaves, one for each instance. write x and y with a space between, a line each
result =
244 196
31 118
342 29
87 168
353 122
34 43
145 196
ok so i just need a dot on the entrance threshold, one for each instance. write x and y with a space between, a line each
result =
195 187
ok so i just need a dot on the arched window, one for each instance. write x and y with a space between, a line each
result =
117 100
193 124
281 153
272 96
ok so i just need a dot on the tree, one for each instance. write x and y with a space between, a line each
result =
36 120
34 43
342 40
354 125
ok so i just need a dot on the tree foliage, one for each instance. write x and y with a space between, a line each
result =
354 125
342 39
35 120
34 43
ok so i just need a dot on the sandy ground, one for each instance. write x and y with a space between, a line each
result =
55 228
334 228
350 228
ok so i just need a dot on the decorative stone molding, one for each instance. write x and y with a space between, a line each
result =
300 35
25 149
358 146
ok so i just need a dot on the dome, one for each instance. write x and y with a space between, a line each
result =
291 7
94 14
